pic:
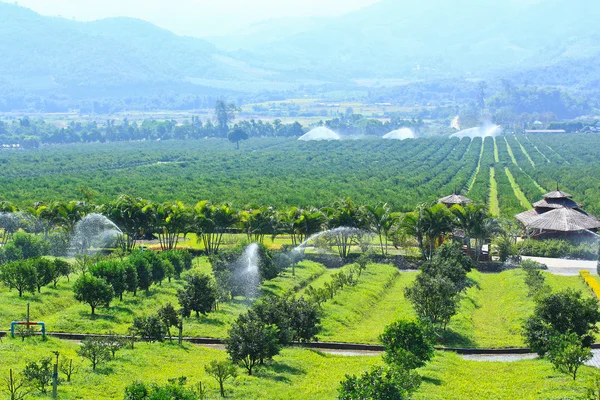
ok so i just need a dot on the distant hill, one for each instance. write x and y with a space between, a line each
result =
56 54
425 38
553 42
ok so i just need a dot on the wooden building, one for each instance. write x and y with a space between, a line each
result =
558 216
454 199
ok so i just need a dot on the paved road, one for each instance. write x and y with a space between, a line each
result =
594 362
561 266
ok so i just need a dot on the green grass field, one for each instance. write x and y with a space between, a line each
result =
493 309
490 313
294 374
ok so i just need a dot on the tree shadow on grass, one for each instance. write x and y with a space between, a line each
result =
104 370
275 371
318 352
96 317
432 381
450 338
204 319
121 309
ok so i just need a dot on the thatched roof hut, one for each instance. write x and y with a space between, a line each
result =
454 199
558 215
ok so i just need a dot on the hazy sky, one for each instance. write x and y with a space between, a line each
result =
194 17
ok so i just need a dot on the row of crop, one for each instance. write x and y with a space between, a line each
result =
533 151
481 186
571 148
425 171
511 154
549 152
527 185
509 203
502 149
458 178
479 156
445 172
591 282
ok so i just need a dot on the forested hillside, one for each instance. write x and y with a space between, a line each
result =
54 64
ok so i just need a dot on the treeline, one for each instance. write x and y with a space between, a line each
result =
140 219
29 133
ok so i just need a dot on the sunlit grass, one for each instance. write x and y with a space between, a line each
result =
294 374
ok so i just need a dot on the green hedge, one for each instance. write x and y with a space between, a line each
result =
557 248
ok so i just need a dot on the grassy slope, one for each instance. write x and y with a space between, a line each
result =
59 310
347 310
494 205
449 377
295 374
367 320
518 192
492 311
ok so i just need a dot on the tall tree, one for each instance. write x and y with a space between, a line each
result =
381 220
224 114
236 135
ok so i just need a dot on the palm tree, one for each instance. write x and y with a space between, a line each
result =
415 224
345 214
211 222
308 223
132 215
439 221
381 220
428 223
171 220
469 218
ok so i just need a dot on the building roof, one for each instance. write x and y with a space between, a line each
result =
556 203
557 194
455 199
560 219
545 131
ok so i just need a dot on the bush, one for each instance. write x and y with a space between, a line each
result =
198 294
20 275
567 354
435 298
24 246
174 390
250 341
534 279
149 329
558 314
181 260
408 344
94 349
39 375
93 291
381 383
557 248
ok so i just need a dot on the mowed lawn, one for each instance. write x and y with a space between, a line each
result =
492 311
294 374
490 314
62 313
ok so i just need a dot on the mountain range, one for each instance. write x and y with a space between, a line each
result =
409 40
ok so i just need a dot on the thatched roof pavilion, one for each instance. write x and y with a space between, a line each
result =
454 199
559 216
